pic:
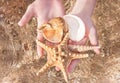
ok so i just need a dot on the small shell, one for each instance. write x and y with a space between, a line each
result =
76 27
53 30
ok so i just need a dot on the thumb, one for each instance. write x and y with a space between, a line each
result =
39 36
27 16
93 39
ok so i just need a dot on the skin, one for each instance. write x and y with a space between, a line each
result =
84 10
44 10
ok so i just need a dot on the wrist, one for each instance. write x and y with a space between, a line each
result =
44 1
84 7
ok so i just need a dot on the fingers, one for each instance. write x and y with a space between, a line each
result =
41 20
39 49
72 65
81 42
59 8
57 68
27 16
93 39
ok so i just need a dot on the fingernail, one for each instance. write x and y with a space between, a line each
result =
97 51
57 68
20 24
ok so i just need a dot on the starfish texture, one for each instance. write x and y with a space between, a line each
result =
60 55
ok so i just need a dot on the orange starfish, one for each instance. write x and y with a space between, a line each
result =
61 56
58 55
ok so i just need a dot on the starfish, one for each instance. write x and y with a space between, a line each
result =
58 55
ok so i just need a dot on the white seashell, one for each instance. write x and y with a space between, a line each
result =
76 27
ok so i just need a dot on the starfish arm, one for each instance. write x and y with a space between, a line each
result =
43 45
64 74
62 68
73 56
64 41
78 55
83 48
45 67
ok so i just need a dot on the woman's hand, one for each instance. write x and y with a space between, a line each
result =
84 10
43 10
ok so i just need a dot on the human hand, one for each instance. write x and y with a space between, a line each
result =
84 9
43 10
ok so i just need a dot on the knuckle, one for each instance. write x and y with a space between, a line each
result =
30 6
